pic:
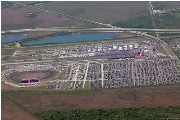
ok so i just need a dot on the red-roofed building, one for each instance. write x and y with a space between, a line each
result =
139 57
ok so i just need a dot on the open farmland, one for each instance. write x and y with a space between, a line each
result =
106 12
167 17
16 18
171 4
112 98
162 21
10 111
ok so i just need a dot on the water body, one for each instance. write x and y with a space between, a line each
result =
13 38
71 38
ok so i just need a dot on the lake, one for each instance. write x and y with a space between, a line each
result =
71 38
13 38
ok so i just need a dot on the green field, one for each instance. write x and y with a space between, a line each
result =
7 51
106 12
144 113
162 21
168 19
137 22
137 103
119 13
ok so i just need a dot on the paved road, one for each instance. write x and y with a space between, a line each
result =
76 76
85 77
151 12
102 72
61 29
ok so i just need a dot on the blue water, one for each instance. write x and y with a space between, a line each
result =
13 38
71 38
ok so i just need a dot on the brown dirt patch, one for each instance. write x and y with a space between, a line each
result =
11 112
112 98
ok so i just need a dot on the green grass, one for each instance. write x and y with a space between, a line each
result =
6 4
7 51
4 58
31 15
85 42
167 20
20 106
3 67
163 21
144 113
35 93
105 12
132 113
137 22
87 86
158 5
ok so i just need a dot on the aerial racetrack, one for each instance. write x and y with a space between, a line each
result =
39 74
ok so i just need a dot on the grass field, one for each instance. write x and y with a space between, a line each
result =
144 113
167 20
168 5
106 12
15 18
7 51
10 111
9 107
123 14
4 58
162 21
89 99
6 54
149 102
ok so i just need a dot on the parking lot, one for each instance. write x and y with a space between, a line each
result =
123 73
100 65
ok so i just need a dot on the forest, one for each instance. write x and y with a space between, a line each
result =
143 113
